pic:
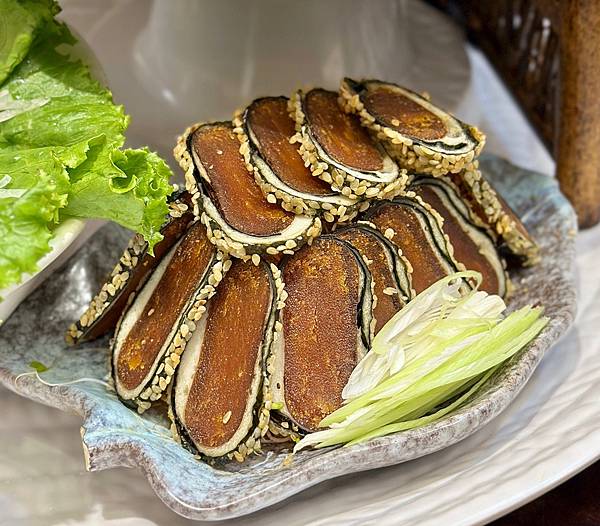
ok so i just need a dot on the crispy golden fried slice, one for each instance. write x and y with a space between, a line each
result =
473 246
264 130
233 190
390 271
326 329
152 328
418 134
130 273
268 120
340 151
215 398
238 217
340 134
413 228
513 238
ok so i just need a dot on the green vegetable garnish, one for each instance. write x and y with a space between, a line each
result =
38 366
60 144
429 359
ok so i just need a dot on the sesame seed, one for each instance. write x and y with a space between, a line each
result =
226 417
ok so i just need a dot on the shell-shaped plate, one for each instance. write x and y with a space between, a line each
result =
115 436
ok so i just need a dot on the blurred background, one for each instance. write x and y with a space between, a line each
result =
176 62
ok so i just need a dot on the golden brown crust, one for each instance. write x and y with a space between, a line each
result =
134 267
271 124
231 346
389 298
339 133
233 190
491 208
410 152
176 288
465 249
410 235
404 115
340 179
319 329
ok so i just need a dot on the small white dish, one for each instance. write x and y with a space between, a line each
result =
68 237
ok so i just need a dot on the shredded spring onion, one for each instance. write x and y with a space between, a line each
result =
431 358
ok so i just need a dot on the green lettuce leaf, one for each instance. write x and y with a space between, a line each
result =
19 24
60 144
33 190
109 183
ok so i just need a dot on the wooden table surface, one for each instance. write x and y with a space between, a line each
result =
574 503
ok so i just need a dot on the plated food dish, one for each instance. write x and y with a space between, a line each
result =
349 267
114 435
313 232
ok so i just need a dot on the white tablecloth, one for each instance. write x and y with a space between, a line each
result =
42 477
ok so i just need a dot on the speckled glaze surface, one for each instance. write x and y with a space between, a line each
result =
115 436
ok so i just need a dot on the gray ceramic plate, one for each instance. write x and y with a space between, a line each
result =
115 436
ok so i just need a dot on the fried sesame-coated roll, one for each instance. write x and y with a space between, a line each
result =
238 217
264 129
514 240
340 151
325 329
416 229
131 272
154 330
419 135
390 270
215 401
473 246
